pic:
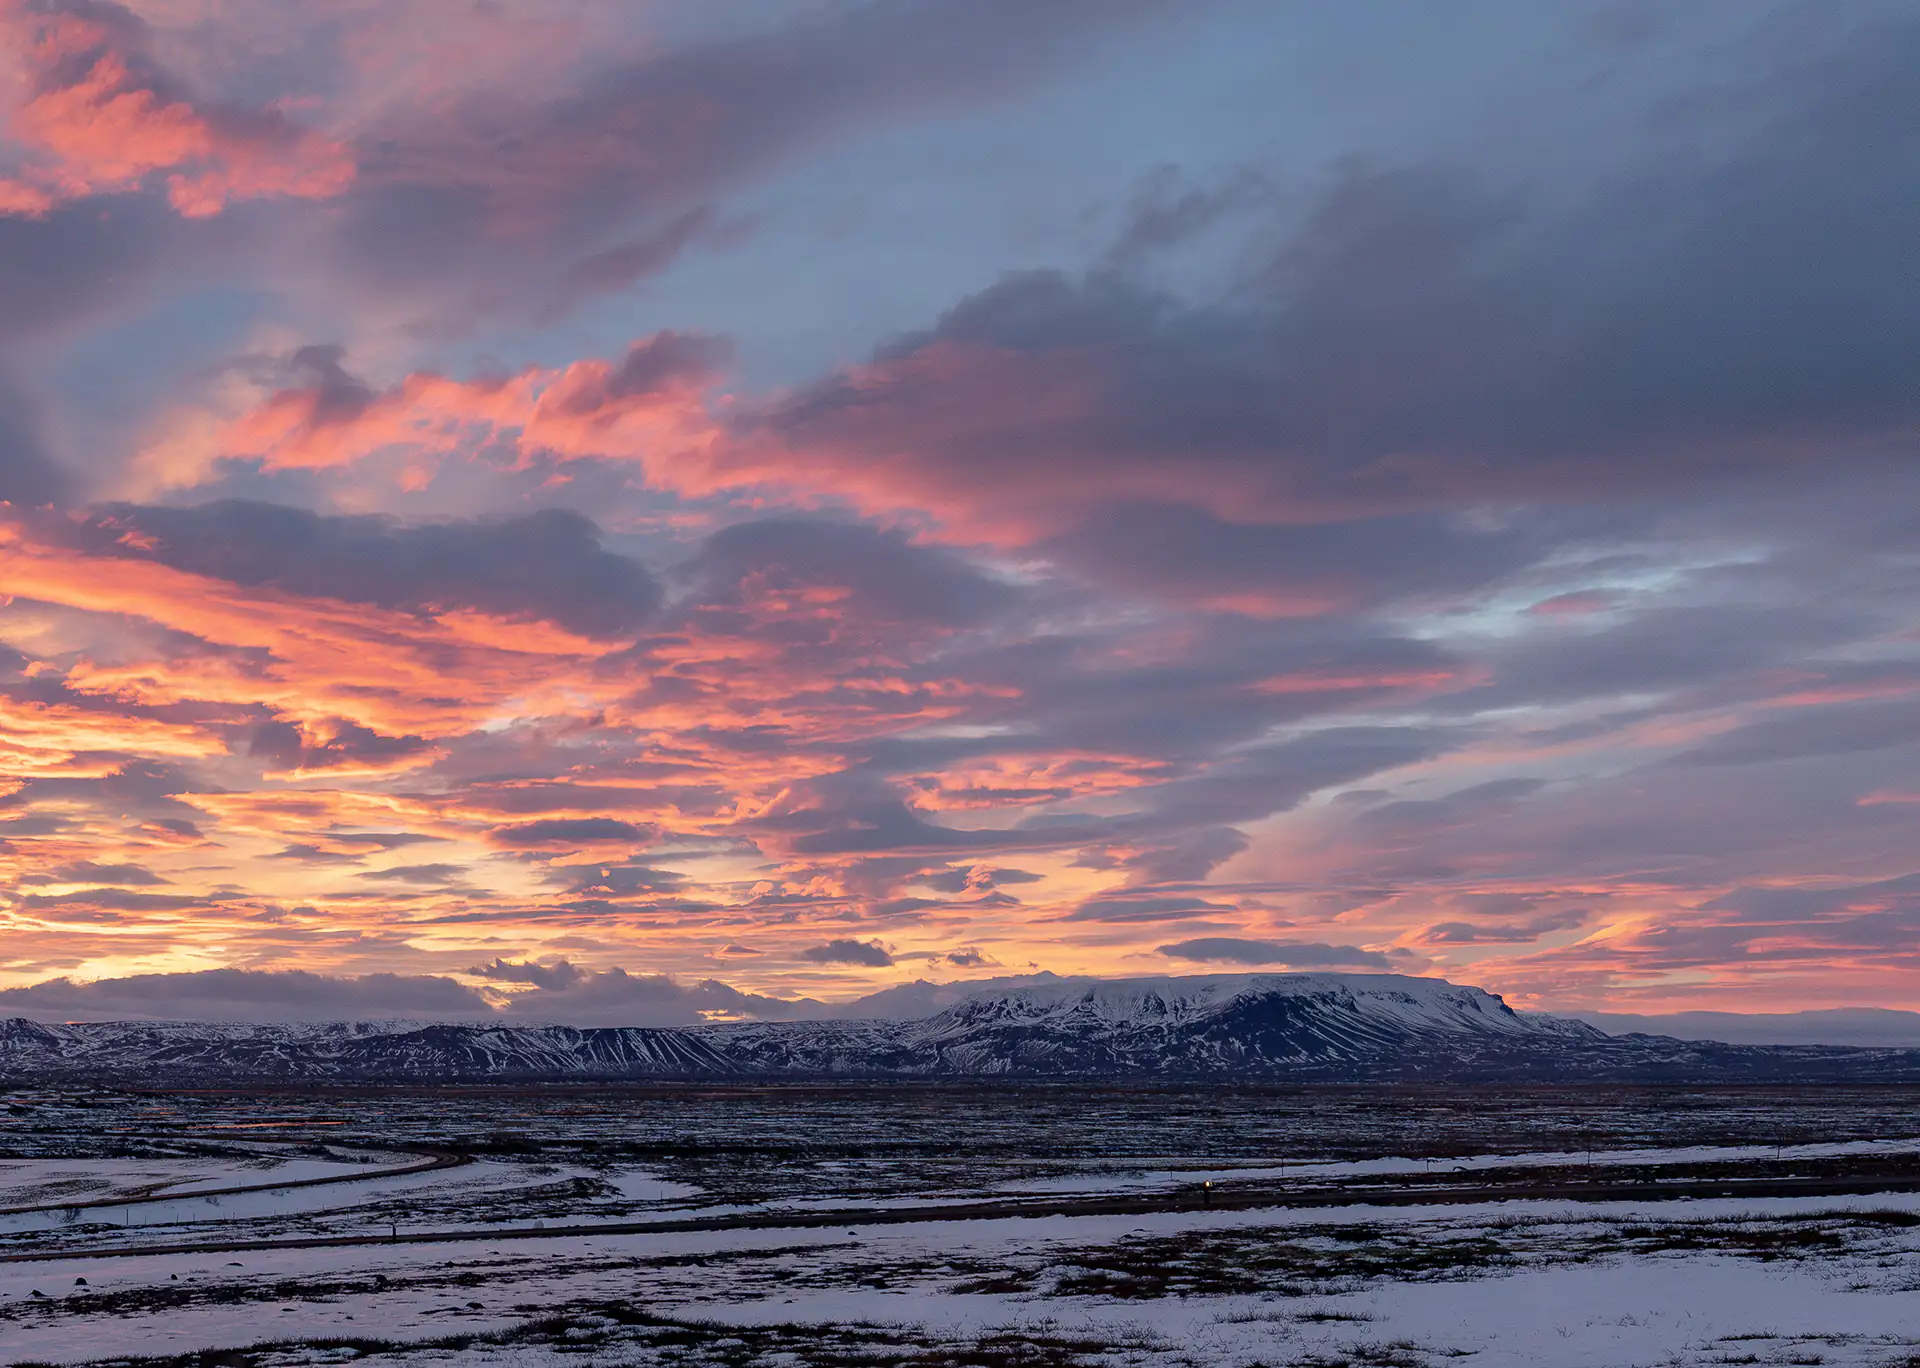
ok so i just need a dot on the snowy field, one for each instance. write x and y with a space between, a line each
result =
947 1227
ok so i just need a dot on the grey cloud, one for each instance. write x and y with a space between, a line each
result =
1891 936
115 900
432 874
306 852
559 975
1183 828
1300 954
1803 732
1187 857
648 254
1661 648
1216 693
245 995
28 475
1147 908
1291 570
1466 805
82 259
867 955
1760 904
970 957
1516 933
144 786
337 396
863 818
1260 782
623 170
357 843
1167 209
885 577
1426 339
1685 826
547 565
287 747
627 881
614 997
974 879
649 367
569 833
86 871
546 795
561 993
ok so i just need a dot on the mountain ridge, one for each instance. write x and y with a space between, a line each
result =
1272 1028
1885 1027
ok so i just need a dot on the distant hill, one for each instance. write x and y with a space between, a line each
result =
1863 1026
1257 1027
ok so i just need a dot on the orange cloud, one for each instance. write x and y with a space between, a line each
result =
48 738
311 660
314 808
650 402
1025 780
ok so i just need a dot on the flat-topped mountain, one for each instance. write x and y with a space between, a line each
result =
1251 1027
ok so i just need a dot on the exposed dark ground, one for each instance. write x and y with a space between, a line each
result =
754 1142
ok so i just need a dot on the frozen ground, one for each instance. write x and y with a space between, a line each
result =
1173 1281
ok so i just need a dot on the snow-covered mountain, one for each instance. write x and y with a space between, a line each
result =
1260 1027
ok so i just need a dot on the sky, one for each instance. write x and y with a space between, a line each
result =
640 510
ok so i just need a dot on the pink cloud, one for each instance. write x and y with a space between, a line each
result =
96 118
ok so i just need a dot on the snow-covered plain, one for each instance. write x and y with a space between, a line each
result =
1541 1283
1550 1300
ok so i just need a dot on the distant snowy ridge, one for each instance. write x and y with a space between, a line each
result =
1872 1026
1254 1027
1383 1001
